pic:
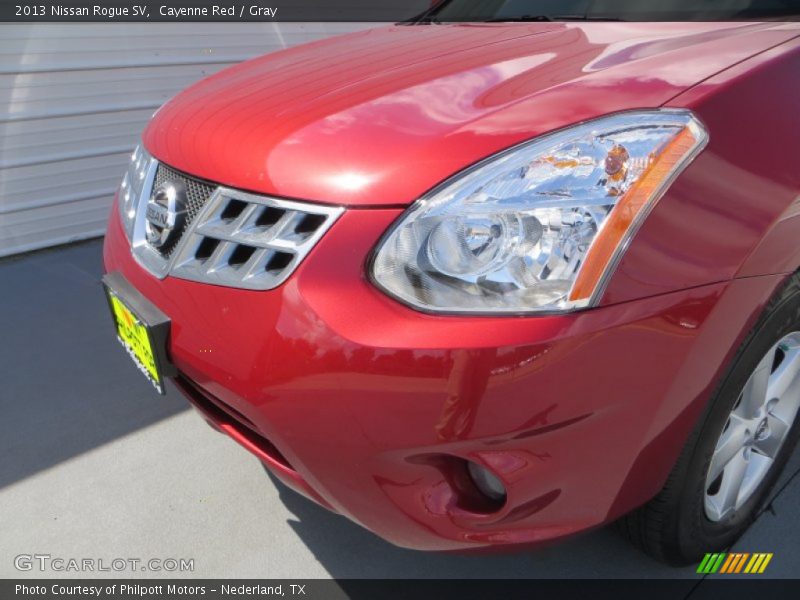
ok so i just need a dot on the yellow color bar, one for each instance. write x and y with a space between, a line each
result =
767 558
758 563
751 564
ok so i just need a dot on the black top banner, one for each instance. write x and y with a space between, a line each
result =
65 11
71 11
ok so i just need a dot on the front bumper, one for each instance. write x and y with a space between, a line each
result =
368 407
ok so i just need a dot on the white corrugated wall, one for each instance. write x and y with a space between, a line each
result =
74 98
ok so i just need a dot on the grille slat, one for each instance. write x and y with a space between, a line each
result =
234 238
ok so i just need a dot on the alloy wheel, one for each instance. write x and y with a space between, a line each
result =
756 429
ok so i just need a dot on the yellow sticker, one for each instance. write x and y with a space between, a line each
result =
134 337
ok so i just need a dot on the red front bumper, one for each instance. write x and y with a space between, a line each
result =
368 407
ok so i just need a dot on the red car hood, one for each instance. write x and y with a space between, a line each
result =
380 116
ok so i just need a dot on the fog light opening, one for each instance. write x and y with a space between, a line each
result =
487 483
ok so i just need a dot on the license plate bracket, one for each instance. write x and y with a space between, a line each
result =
141 328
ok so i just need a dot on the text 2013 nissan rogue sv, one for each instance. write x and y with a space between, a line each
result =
488 277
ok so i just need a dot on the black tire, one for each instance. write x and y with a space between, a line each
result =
673 526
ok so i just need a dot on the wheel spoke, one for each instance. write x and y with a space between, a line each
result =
757 468
754 394
730 443
725 500
784 383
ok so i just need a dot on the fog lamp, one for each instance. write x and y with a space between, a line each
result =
487 482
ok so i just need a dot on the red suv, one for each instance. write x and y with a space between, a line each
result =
487 278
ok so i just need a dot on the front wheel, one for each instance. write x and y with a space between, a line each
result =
737 451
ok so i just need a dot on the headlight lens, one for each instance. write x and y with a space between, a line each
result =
130 190
540 226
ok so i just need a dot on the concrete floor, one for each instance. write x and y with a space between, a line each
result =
94 464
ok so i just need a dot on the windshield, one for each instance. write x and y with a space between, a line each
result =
610 10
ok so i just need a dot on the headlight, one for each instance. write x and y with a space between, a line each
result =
132 186
540 226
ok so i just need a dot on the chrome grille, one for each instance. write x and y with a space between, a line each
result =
250 241
197 194
231 238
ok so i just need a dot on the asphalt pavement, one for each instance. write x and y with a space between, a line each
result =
94 464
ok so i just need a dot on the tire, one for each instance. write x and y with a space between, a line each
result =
686 519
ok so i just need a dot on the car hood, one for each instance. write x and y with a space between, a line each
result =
378 117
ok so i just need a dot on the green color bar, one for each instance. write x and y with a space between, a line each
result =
701 568
711 563
718 563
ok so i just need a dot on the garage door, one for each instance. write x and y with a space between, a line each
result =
74 98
